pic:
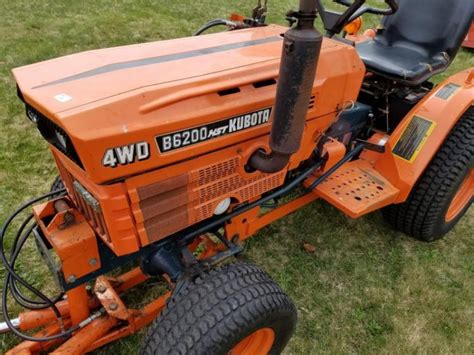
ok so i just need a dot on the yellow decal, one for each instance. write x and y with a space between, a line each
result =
413 138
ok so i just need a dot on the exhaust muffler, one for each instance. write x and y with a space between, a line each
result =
300 55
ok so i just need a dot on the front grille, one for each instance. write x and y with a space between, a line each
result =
168 206
54 134
90 208
85 203
228 181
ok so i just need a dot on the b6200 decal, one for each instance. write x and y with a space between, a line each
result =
126 154
187 137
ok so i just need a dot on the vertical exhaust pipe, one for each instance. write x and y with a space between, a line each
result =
300 54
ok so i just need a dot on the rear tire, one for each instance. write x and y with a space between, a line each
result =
224 310
430 210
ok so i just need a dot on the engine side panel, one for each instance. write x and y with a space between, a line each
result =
171 199
144 200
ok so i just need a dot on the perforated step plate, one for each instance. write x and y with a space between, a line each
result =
357 189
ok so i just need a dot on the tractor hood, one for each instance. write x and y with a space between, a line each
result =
109 110
75 80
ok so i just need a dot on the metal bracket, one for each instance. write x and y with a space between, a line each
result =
195 267
294 16
259 13
90 200
110 299
378 148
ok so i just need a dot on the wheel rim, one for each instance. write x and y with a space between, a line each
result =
462 197
259 342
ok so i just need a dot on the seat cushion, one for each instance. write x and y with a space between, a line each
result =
405 64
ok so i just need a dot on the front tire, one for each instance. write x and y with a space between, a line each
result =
235 308
57 185
444 192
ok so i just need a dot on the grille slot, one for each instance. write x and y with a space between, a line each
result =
90 208
223 179
217 171
93 214
230 91
54 134
263 83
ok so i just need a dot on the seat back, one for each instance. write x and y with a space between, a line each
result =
428 26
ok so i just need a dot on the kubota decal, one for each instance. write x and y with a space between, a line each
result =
187 137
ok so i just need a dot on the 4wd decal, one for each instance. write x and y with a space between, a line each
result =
187 137
126 154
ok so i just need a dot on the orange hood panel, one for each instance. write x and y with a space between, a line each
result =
109 98
74 80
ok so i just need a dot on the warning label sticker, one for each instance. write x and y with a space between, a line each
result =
447 91
413 138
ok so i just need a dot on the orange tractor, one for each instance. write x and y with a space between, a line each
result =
172 153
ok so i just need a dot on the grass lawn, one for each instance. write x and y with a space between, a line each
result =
366 289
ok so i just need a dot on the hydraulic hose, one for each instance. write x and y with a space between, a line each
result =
12 275
213 23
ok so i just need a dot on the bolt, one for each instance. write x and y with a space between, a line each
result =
101 289
93 262
71 279
113 306
235 238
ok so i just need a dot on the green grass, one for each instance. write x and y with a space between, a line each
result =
366 289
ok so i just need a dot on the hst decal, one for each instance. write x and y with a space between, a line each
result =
126 154
176 140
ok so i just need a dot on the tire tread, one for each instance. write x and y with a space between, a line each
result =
203 316
421 214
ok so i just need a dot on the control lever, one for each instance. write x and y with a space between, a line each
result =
259 13
378 148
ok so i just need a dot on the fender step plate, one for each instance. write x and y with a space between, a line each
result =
357 189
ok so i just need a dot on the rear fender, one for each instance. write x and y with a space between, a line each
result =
403 162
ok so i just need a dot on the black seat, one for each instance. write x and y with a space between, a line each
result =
419 40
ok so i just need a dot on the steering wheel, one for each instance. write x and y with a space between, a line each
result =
360 9
335 22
